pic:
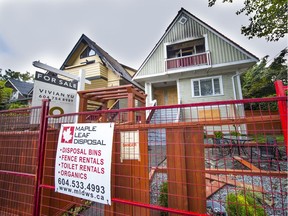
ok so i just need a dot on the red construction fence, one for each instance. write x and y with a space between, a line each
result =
193 159
281 91
19 143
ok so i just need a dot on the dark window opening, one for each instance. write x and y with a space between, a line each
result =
186 48
87 52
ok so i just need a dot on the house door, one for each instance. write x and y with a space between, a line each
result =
165 95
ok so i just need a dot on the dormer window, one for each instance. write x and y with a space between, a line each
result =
186 48
87 53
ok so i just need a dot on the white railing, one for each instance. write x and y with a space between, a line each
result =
150 112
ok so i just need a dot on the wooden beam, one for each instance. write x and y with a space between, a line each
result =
195 167
152 173
231 181
246 163
82 108
177 180
107 92
247 144
224 180
96 98
246 120
213 187
131 104
104 94
160 169
137 93
104 89
279 174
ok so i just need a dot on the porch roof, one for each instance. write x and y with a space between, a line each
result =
103 95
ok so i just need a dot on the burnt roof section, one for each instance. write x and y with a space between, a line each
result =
110 62
23 87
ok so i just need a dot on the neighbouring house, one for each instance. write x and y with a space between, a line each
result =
101 68
193 62
22 91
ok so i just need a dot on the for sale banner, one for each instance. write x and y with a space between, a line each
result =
61 93
83 161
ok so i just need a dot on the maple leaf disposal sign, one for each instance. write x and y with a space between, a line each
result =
83 161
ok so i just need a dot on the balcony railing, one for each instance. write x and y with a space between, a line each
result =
188 61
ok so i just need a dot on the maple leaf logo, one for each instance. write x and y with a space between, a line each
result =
67 135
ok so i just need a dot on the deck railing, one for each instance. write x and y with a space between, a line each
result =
188 61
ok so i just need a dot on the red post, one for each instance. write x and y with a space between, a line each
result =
280 92
40 156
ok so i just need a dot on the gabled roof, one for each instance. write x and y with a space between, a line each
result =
110 62
215 31
23 87
187 13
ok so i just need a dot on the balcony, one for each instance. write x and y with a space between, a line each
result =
189 61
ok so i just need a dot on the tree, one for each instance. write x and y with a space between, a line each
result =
259 80
268 18
9 74
5 94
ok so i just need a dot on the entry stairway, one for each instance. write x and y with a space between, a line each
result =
158 136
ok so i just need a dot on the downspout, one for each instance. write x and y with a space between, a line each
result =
233 85
238 84
179 102
148 98
237 107
148 92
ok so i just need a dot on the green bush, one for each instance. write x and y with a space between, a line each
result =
218 134
243 204
163 198
235 133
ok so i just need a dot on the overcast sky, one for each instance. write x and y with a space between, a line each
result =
47 30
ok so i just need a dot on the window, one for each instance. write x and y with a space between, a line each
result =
207 86
182 20
87 52
186 48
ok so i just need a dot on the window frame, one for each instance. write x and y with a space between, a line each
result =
193 48
86 51
213 86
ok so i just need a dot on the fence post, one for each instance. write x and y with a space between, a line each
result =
186 169
40 156
129 179
282 105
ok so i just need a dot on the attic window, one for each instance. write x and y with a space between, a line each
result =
87 52
182 20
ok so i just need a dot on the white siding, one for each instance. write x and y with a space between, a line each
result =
186 90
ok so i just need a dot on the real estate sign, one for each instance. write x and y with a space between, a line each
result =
83 161
61 93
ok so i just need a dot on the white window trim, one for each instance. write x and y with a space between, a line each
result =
204 78
182 41
206 42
